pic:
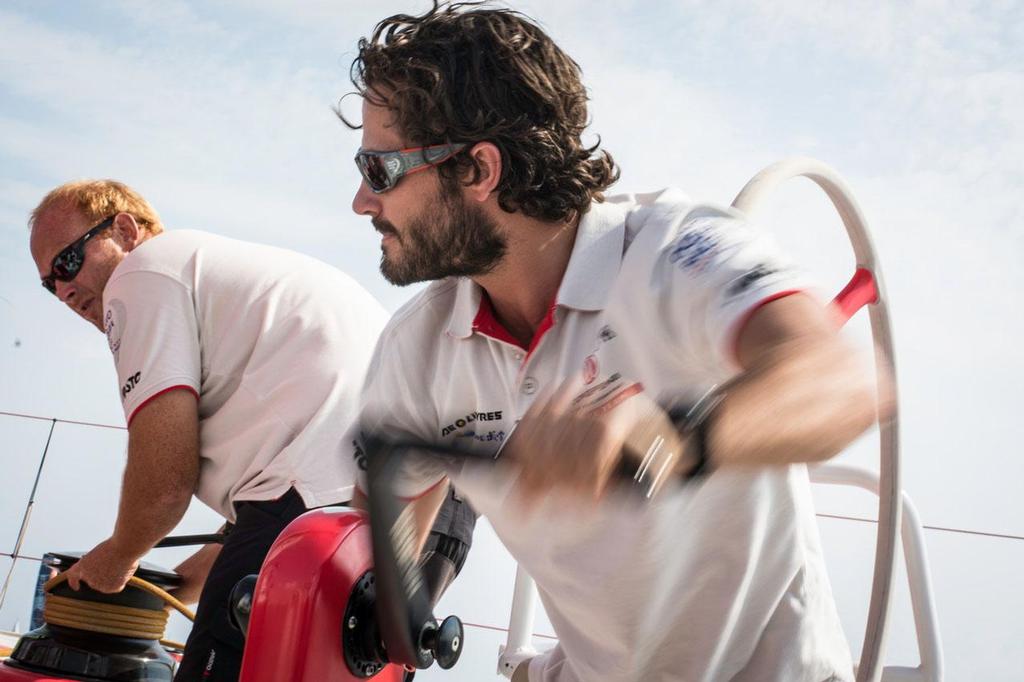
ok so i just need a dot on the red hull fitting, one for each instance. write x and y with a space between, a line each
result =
9 674
295 630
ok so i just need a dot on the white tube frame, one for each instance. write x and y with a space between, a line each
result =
922 599
519 647
889 487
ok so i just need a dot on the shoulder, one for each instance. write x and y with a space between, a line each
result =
169 253
403 371
171 243
414 335
675 243
667 225
670 212
423 319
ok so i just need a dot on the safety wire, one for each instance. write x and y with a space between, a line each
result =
113 619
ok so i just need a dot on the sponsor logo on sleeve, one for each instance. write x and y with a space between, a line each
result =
749 279
133 381
695 248
113 324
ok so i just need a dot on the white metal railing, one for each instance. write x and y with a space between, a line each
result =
922 600
518 647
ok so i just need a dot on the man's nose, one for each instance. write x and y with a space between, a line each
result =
365 202
66 291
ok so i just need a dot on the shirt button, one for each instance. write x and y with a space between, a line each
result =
518 357
529 386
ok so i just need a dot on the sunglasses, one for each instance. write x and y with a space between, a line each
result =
69 261
383 170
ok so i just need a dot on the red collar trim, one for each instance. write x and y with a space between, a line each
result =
487 324
547 323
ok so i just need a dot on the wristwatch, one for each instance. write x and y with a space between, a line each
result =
661 437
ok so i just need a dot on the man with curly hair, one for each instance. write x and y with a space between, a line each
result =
558 318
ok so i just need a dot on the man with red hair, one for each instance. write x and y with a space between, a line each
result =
239 367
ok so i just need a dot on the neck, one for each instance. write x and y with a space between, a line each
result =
525 283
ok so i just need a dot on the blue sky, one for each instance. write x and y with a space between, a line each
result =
220 113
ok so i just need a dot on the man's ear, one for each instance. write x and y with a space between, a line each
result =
487 158
127 231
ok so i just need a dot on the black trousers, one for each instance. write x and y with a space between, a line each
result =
448 544
213 651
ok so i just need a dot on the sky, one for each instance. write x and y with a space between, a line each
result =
220 113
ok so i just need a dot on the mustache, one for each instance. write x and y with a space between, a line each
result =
384 227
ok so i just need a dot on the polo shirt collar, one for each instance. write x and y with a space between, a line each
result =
593 265
596 258
467 303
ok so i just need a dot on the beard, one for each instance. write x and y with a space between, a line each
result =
447 239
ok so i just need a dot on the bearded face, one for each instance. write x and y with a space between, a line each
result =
448 238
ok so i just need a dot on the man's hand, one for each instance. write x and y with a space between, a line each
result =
106 568
569 443
159 477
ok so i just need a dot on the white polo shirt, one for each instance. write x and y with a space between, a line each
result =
718 581
274 344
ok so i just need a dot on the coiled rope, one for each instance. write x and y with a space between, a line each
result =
113 619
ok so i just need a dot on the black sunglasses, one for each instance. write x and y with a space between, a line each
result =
383 170
69 261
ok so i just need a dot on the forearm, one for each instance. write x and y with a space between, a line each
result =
803 402
161 473
151 506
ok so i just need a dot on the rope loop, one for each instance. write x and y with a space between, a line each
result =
113 619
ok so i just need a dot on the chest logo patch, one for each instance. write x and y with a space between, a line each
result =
470 418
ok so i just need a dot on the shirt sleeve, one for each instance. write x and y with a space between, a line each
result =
708 274
151 327
395 408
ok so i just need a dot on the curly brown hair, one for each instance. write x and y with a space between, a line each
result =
463 73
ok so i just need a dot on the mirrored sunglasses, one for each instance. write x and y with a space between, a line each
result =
383 170
67 264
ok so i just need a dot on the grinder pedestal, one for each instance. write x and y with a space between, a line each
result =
54 652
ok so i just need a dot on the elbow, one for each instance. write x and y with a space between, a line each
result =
867 399
872 395
173 498
175 491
